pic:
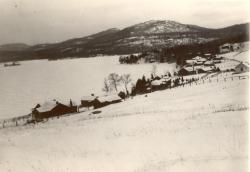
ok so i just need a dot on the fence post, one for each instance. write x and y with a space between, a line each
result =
3 123
232 79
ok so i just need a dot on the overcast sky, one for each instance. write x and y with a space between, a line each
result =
46 21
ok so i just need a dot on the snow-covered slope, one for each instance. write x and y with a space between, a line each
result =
164 26
193 128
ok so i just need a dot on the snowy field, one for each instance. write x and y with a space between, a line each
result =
241 56
194 128
22 87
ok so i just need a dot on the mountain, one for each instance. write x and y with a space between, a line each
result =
132 39
14 47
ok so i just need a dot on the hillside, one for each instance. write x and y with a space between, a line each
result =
200 127
133 39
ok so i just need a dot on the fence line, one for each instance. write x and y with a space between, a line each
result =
22 120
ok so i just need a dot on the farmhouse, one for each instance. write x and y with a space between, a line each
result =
87 101
242 67
51 109
106 100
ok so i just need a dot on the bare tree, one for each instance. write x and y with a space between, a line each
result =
126 79
154 70
114 80
106 88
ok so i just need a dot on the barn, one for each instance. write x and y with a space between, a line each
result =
87 101
186 71
51 109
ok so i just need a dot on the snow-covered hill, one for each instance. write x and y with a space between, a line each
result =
154 33
200 127
164 26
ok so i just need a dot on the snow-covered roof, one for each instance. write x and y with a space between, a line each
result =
109 98
202 60
190 61
207 69
189 69
156 82
209 62
226 44
166 78
65 102
199 62
88 98
47 106
197 58
242 64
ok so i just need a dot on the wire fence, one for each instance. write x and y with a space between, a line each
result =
16 121
207 78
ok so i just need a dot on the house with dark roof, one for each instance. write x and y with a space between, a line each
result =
106 100
225 48
51 109
186 71
87 101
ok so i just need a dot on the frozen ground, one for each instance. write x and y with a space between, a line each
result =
239 56
200 127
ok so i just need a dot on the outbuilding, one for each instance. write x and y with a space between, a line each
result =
242 67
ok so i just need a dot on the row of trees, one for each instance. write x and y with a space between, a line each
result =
131 59
113 81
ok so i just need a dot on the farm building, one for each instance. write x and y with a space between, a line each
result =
208 55
225 48
51 109
87 101
208 69
186 71
242 67
216 61
106 100
209 63
161 84
190 62
156 85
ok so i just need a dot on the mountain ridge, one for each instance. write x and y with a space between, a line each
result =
131 39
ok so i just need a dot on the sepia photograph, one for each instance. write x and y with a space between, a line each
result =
124 85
